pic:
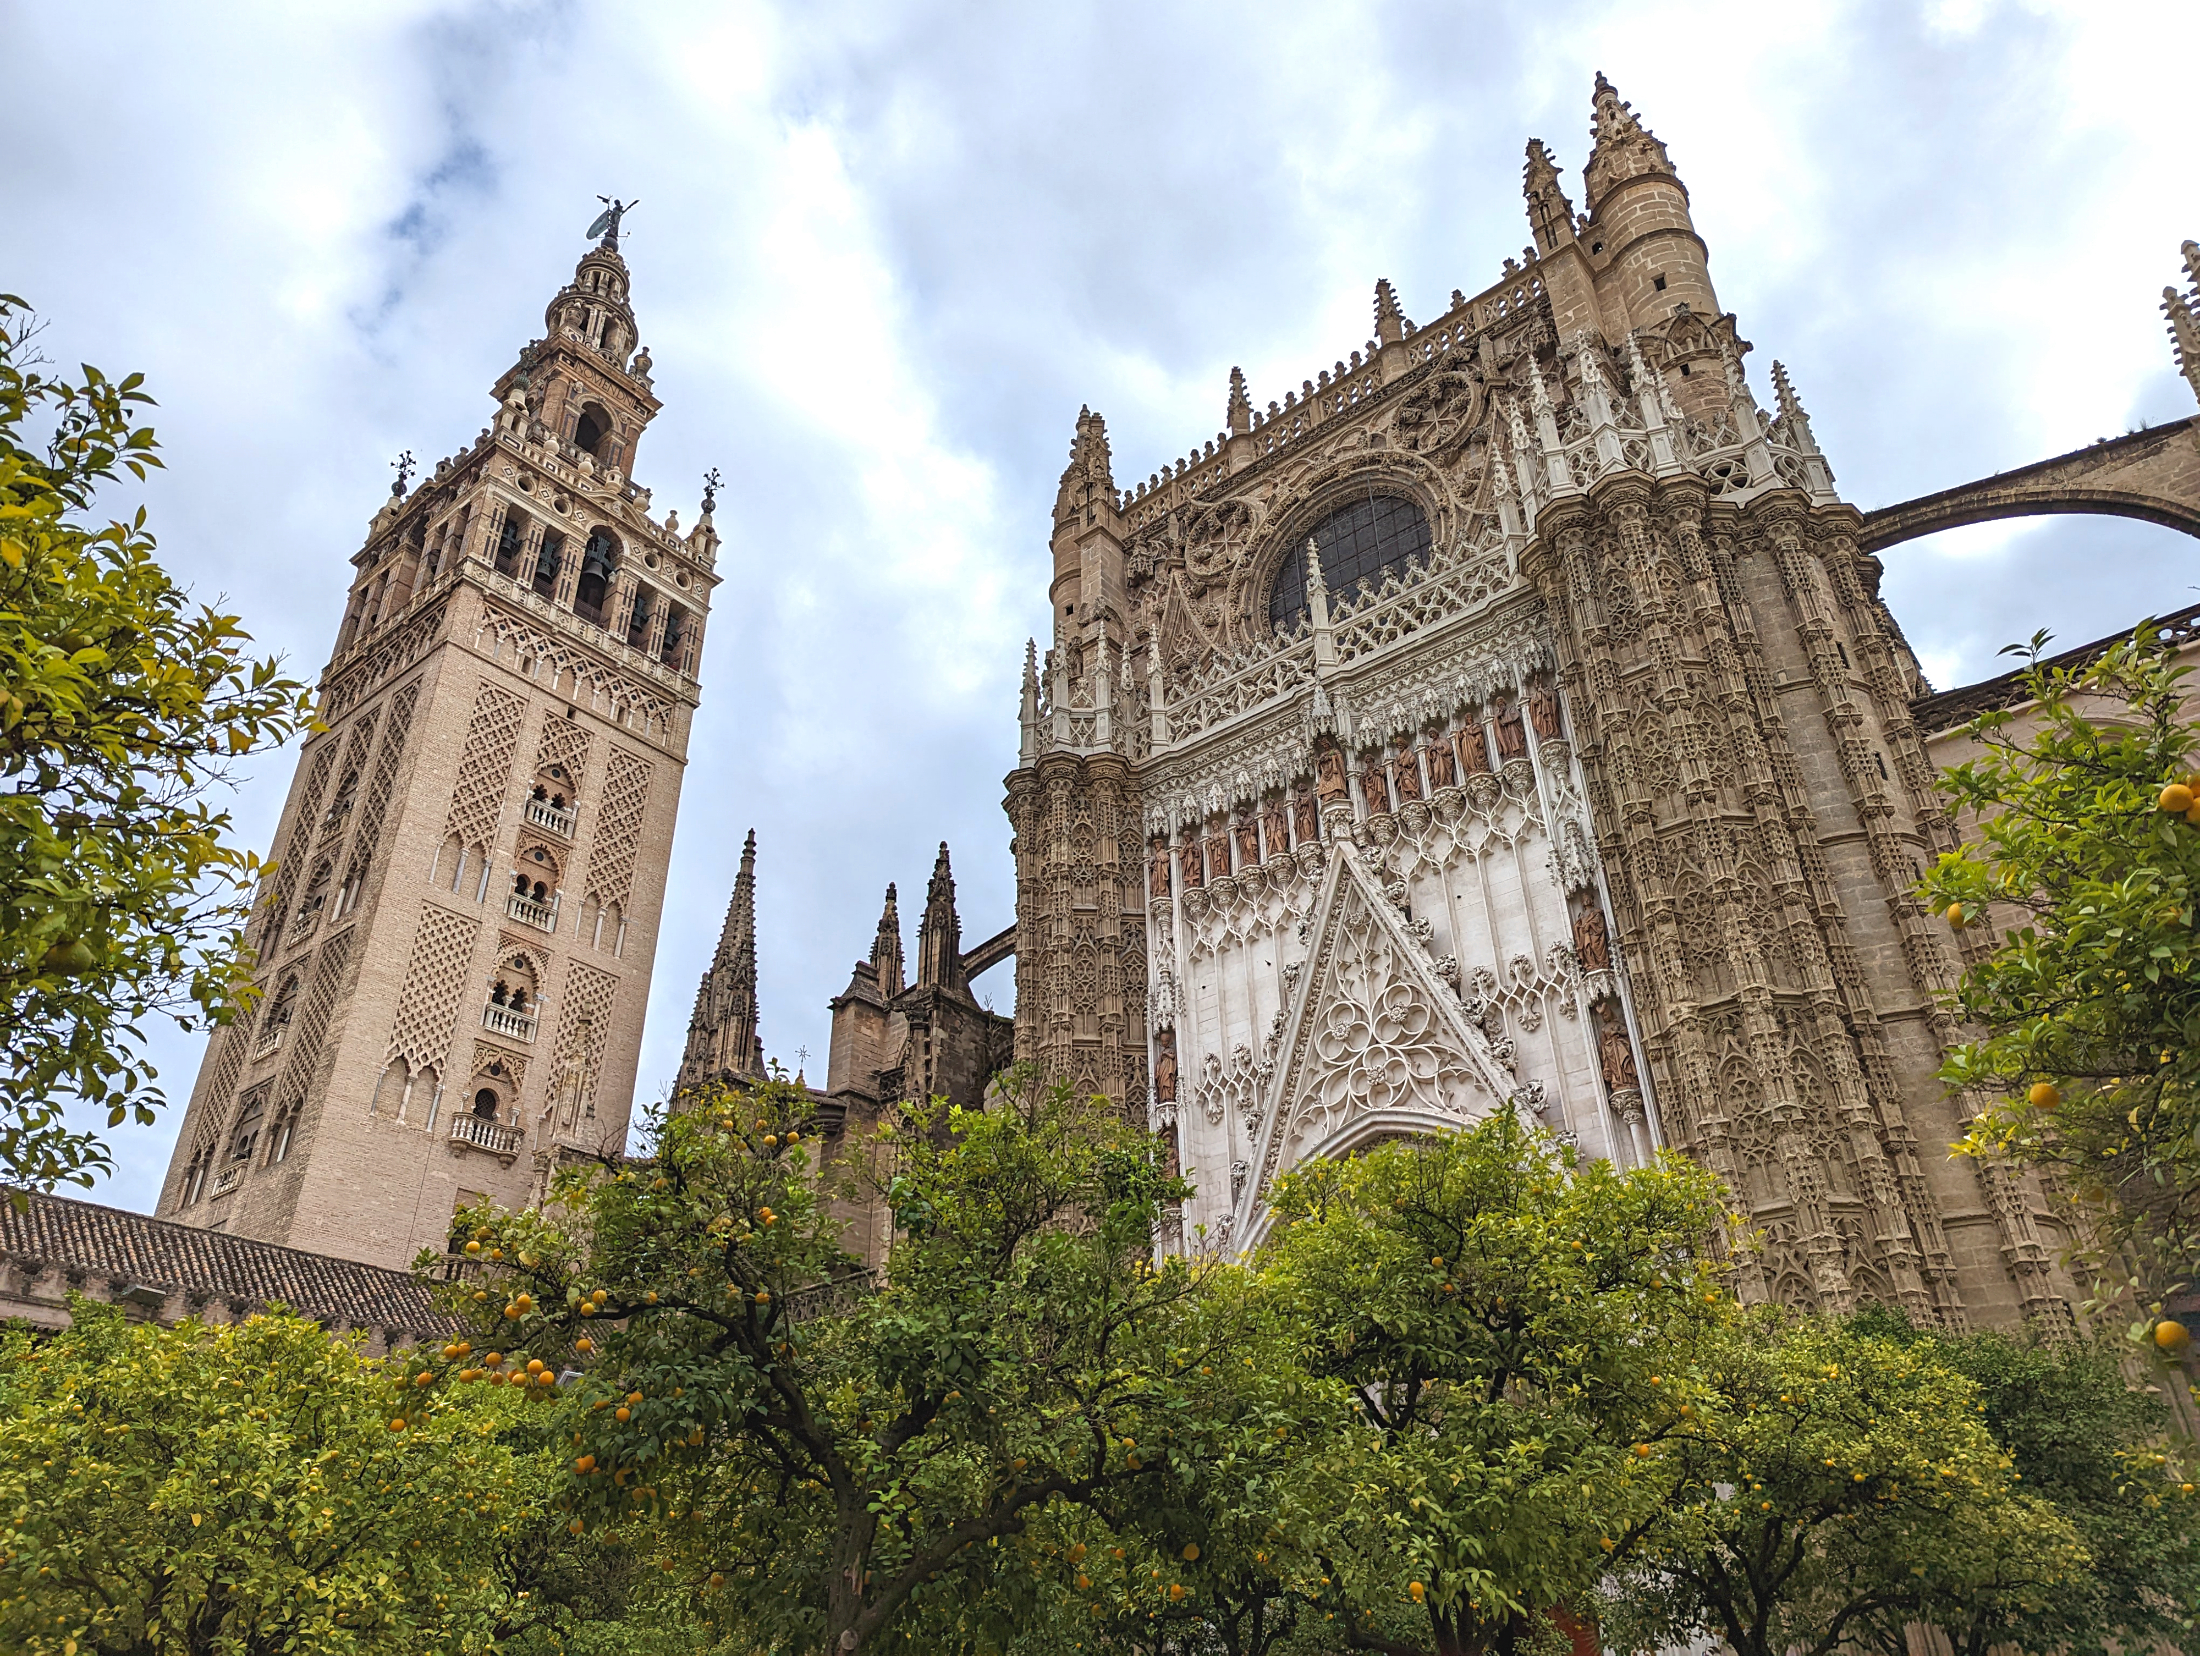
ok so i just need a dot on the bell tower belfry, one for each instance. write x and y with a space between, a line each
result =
455 943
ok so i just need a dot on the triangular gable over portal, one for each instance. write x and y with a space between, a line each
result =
1374 1043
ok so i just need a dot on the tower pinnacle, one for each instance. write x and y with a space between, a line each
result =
886 947
1623 147
722 1033
939 942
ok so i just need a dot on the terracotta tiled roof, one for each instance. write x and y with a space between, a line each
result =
118 1248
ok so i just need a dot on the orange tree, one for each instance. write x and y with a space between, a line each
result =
2103 1455
1504 1321
2087 849
1818 1488
241 1489
831 1459
121 702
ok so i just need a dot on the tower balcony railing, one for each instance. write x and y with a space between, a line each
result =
228 1179
543 814
484 1134
502 1020
270 1038
531 913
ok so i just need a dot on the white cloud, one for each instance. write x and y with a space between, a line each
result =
884 254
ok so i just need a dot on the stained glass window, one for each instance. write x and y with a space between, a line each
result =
1361 541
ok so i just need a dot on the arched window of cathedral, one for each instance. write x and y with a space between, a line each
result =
1359 542
485 1103
637 625
598 564
547 564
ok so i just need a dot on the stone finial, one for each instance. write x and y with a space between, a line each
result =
1390 321
1550 214
1089 475
1239 416
886 947
2183 312
939 941
1794 419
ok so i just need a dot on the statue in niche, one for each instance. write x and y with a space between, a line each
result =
1308 812
1375 783
1474 749
1443 769
1592 942
1168 1138
1188 853
1543 709
1248 842
1275 824
1406 776
1164 1067
1512 735
1218 849
1329 781
1157 870
1617 1055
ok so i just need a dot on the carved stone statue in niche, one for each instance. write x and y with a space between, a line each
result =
1406 776
1443 769
1616 1055
1275 824
1157 870
1193 865
1307 812
1474 749
1592 942
1375 784
1543 709
1168 1138
1329 779
1218 848
1248 842
1164 1067
1512 735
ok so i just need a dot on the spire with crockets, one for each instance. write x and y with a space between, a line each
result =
722 1042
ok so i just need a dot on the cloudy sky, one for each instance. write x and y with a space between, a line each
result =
884 252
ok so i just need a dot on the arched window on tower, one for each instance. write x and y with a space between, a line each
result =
194 1177
1361 541
598 564
591 430
511 537
548 563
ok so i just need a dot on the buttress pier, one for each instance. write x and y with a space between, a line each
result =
1509 712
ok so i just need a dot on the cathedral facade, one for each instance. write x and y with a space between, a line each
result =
454 947
1509 713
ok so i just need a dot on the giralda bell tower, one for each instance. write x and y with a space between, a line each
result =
455 945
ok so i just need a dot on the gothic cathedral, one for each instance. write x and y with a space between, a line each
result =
456 942
1510 713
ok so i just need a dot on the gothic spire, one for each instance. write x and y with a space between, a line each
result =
1089 472
1623 147
1238 416
2183 311
722 1039
1550 214
886 947
1390 321
939 942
